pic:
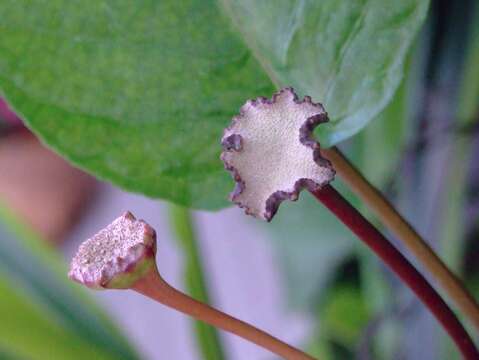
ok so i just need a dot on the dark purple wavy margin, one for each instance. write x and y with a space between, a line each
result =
233 142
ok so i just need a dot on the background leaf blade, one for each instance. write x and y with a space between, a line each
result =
348 55
40 275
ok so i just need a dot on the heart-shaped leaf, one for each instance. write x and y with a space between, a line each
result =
348 55
139 92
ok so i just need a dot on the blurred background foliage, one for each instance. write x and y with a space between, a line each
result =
44 315
421 150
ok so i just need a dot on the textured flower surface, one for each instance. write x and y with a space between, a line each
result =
117 256
271 153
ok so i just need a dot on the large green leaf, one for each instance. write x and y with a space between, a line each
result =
349 55
39 275
138 92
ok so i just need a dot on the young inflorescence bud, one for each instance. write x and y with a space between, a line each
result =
122 256
117 256
271 153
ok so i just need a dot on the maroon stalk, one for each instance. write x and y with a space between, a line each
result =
360 226
263 182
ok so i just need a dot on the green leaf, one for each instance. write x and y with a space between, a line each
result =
135 92
387 135
349 55
139 94
344 315
37 272
28 333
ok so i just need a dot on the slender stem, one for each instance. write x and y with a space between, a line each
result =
400 265
388 215
206 336
154 287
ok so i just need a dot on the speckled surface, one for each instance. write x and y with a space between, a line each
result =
271 153
113 257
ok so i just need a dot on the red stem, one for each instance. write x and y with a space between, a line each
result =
359 225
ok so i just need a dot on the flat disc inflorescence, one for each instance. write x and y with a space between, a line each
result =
271 153
116 256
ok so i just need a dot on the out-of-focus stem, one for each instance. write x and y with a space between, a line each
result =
400 265
388 215
206 336
153 286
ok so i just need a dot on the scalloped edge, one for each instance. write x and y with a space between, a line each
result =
233 142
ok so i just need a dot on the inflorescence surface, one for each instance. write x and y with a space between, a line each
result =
271 153
116 256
